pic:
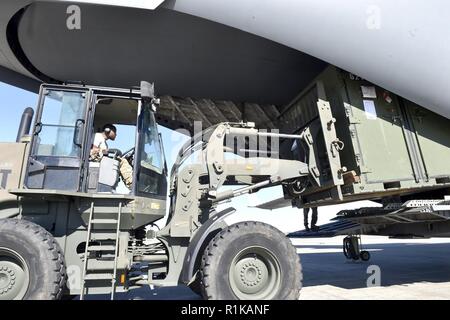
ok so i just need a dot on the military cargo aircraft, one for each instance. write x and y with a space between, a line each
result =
230 61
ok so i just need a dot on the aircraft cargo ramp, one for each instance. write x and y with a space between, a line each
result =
389 220
328 230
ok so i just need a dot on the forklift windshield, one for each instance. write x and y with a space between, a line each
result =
151 153
151 174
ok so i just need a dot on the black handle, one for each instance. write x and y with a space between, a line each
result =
37 128
77 132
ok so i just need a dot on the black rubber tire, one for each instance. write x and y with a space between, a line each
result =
222 249
196 286
349 250
364 255
41 253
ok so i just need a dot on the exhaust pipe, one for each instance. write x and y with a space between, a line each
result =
25 123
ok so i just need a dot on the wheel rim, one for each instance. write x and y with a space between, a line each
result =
255 274
14 275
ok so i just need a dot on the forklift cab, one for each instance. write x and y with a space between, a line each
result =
67 119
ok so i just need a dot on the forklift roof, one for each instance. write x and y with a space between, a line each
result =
115 110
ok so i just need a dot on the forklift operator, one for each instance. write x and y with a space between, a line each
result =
100 148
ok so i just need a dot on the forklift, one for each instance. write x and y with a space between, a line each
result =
66 230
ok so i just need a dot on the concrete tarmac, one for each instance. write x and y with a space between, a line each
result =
408 269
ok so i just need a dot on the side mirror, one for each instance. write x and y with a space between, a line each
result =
25 123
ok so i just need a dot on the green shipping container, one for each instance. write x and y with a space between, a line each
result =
364 142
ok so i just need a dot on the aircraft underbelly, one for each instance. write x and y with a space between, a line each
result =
403 46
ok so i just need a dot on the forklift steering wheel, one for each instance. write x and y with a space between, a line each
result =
114 153
129 154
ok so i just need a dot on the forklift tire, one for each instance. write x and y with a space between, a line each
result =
364 255
251 260
196 286
31 262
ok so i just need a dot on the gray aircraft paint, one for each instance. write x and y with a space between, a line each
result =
400 45
407 53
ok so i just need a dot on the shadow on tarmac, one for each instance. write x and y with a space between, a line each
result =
400 263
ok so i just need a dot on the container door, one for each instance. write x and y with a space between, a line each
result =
376 123
433 137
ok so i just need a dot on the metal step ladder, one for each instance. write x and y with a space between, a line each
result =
108 267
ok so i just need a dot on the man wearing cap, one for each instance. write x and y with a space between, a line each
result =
100 148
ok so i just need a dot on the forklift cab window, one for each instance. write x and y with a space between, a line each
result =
56 156
60 113
151 160
151 155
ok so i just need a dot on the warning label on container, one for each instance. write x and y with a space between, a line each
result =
369 92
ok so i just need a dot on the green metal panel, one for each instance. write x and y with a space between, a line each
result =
433 135
379 140
391 146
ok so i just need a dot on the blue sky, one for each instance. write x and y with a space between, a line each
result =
12 103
